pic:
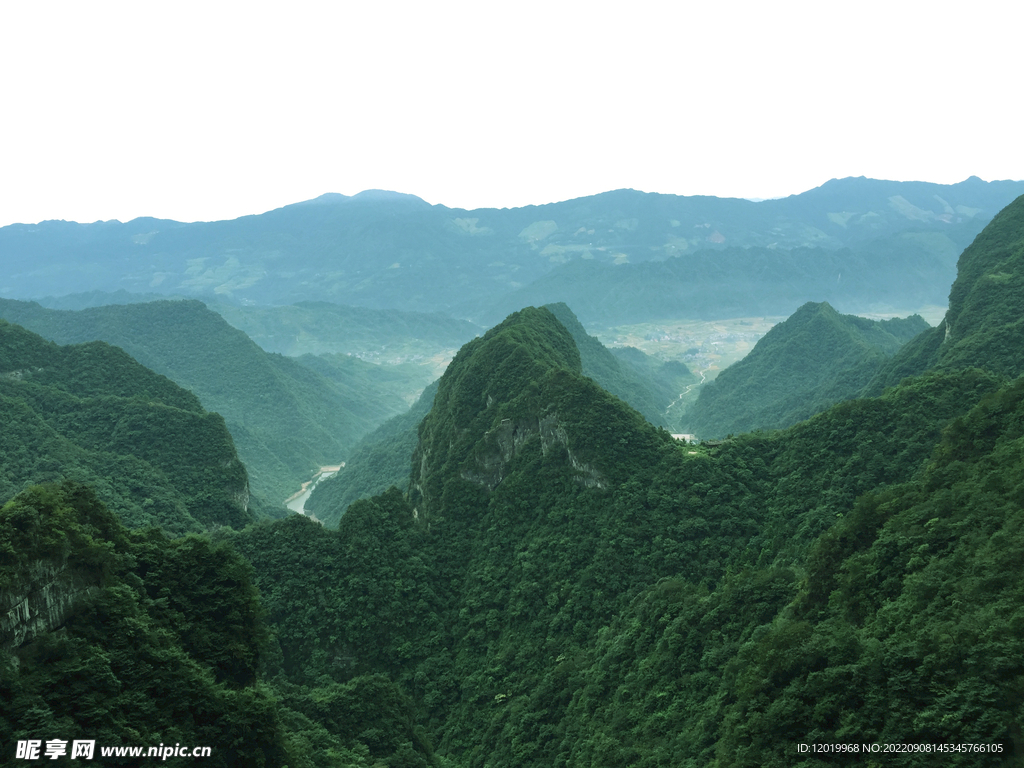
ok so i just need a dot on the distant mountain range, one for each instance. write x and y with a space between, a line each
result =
853 242
562 584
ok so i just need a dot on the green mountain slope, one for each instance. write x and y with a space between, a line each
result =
897 627
93 414
286 419
984 325
802 366
128 639
566 585
380 460
131 639
504 591
626 382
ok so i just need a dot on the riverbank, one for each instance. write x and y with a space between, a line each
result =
297 501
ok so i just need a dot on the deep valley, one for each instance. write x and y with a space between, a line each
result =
506 555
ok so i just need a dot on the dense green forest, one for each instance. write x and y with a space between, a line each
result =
89 412
647 384
166 643
564 584
383 458
813 360
287 419
380 460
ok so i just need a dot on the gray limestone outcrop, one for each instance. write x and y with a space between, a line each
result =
502 443
40 601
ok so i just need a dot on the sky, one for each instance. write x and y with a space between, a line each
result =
213 110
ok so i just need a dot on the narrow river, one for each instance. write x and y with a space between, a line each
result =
703 378
297 503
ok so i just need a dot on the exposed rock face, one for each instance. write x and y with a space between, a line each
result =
41 601
503 394
502 443
20 374
241 498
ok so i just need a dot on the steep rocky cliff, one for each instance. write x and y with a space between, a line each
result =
40 601
500 445
126 637
515 395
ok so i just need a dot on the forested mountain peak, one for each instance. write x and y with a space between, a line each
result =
20 349
91 413
888 335
286 418
814 359
514 393
475 393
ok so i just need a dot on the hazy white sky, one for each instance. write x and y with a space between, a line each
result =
207 110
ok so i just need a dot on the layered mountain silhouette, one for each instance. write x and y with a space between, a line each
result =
813 360
984 325
286 419
91 413
565 584
853 242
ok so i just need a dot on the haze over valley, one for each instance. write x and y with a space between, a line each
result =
630 479
565 385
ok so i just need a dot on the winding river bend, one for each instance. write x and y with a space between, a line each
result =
297 501
703 378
